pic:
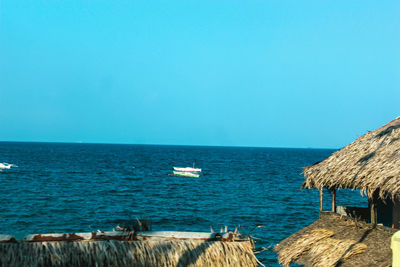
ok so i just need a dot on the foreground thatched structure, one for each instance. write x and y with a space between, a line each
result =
335 240
127 249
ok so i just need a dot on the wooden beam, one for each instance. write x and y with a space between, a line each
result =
374 210
333 200
321 193
374 217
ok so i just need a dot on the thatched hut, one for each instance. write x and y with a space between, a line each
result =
371 164
352 236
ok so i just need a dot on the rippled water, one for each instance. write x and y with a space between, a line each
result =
84 187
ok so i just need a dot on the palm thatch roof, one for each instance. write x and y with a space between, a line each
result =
371 163
127 253
335 240
134 250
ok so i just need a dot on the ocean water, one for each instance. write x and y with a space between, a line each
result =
84 187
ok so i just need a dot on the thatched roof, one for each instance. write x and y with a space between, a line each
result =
127 253
135 250
333 240
371 163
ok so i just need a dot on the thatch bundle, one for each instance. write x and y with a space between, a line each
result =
304 243
371 163
328 252
321 249
128 253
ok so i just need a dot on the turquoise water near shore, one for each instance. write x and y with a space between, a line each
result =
61 187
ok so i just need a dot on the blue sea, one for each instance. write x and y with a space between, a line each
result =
66 187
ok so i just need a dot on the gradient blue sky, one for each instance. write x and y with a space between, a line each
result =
242 73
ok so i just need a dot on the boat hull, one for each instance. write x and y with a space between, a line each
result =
186 174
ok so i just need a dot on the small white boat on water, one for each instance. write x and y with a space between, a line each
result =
5 165
187 169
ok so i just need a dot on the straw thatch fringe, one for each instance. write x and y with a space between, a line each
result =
128 253
370 163
320 248
328 252
292 253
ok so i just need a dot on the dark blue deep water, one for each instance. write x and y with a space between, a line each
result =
84 187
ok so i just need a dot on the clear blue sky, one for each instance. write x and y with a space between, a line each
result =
242 73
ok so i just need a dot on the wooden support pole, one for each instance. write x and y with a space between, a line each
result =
321 193
333 200
374 211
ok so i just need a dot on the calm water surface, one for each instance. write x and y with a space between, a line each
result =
84 187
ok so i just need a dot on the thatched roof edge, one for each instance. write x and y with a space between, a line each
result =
370 163
150 252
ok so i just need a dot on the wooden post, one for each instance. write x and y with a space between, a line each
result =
374 211
374 217
396 214
321 193
334 200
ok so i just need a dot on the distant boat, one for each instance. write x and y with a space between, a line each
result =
187 169
186 174
7 165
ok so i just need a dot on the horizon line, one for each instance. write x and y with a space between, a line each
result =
147 144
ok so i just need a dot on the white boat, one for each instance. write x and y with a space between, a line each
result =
7 165
187 169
